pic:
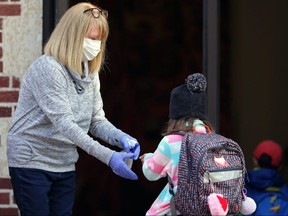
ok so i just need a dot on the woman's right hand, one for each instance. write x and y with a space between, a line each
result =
119 167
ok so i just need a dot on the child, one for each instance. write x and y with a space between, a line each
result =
187 112
267 160
265 179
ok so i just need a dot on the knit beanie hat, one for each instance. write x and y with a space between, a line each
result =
270 148
189 99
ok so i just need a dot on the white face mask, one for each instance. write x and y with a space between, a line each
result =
91 48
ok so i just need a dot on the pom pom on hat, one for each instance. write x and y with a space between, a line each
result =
190 98
218 205
196 83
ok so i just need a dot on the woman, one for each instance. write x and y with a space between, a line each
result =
59 103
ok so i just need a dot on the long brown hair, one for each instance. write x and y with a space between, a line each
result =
184 124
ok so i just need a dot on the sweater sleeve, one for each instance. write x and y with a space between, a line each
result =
100 127
156 164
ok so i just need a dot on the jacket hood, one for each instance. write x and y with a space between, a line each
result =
263 178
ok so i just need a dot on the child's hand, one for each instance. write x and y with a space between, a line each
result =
142 158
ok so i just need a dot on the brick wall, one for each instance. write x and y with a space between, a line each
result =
9 85
20 45
7 203
9 91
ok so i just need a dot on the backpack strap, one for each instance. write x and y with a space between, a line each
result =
172 203
208 129
171 186
172 206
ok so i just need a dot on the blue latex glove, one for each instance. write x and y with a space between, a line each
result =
130 144
119 167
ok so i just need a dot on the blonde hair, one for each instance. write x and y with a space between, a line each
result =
66 41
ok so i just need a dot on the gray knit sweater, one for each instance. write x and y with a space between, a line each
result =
55 111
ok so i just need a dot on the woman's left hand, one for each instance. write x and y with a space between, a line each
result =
130 144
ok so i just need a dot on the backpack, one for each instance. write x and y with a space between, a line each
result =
271 203
209 163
